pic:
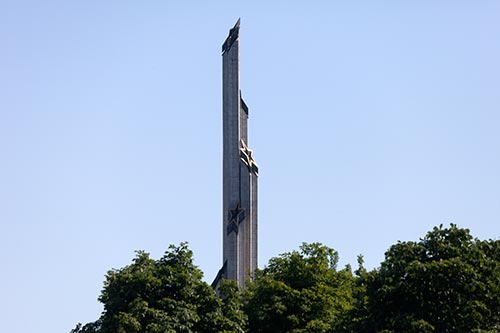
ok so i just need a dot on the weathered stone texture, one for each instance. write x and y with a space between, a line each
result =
239 173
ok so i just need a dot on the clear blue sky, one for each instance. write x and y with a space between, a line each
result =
371 121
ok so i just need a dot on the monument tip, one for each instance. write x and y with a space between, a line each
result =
233 35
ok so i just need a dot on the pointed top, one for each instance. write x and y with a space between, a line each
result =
237 24
233 35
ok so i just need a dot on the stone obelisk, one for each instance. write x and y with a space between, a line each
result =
240 173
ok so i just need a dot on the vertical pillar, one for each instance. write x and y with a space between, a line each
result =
239 173
231 135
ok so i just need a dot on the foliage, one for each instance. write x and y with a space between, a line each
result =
234 317
299 291
165 295
446 282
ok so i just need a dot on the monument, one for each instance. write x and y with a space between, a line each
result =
240 173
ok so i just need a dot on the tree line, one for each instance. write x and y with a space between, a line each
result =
446 282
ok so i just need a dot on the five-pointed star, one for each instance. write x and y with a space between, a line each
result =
236 216
247 155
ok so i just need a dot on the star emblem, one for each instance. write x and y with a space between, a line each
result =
246 156
235 217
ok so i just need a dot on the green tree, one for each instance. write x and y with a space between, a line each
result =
447 282
165 295
300 291
234 318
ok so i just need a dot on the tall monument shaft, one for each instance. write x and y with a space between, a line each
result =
240 172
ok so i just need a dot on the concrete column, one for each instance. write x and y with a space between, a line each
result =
239 173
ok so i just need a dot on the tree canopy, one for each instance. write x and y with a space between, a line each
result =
165 295
300 291
446 282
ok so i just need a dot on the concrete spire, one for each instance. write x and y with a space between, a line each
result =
240 173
